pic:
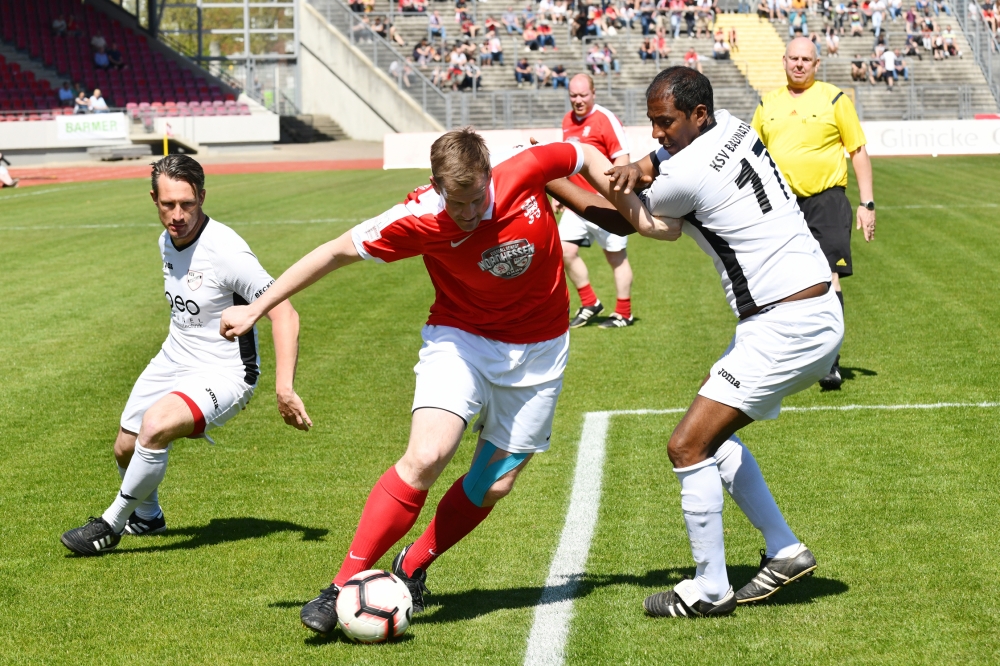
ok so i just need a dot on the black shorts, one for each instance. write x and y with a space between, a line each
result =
829 217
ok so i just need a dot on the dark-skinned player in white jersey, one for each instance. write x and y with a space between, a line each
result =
714 178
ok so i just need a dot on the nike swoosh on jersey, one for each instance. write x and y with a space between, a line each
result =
454 244
353 557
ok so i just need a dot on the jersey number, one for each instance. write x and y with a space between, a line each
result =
748 175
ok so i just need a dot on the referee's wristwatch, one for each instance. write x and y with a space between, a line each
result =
870 205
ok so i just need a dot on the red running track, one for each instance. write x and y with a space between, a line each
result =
47 176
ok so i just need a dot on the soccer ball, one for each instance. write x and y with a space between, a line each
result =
374 606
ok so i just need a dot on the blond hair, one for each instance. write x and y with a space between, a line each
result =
460 159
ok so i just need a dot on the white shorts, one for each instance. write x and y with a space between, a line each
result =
513 388
213 394
573 228
776 353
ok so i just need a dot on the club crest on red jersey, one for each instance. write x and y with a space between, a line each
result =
194 279
509 259
531 210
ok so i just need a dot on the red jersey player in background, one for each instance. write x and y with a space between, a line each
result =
495 344
594 125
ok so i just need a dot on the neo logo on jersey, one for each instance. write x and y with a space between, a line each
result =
178 303
509 259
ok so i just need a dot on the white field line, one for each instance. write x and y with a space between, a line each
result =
147 225
554 612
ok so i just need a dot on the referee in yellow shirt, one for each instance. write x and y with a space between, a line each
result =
807 126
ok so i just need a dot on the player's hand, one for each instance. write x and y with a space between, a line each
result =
662 228
293 411
866 222
236 321
626 177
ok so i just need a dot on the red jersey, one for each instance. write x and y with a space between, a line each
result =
599 128
503 281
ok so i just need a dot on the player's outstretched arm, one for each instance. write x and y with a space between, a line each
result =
328 257
595 165
632 177
589 206
285 330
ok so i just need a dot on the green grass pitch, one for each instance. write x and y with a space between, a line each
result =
900 507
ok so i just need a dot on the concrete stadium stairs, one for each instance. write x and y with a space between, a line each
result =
500 104
759 50
950 88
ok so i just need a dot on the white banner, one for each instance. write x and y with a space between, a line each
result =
885 138
92 126
933 137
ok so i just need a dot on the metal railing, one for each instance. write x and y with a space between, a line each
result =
984 47
916 102
382 54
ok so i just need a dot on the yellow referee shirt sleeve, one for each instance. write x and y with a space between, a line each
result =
758 123
846 117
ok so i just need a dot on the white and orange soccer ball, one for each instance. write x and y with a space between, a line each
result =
374 606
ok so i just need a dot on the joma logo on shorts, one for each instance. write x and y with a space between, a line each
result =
729 378
215 401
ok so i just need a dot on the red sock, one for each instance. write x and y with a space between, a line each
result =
624 307
391 510
456 516
587 296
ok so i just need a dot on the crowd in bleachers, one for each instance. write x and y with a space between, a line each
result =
95 53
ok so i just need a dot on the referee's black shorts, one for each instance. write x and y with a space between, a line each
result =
829 217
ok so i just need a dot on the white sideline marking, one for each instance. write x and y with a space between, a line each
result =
547 640
323 220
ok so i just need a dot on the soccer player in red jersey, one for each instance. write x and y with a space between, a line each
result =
594 125
495 344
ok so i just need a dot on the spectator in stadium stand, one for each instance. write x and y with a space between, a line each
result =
857 29
705 18
496 49
949 42
559 77
485 58
471 74
923 7
97 103
676 14
592 124
65 94
420 6
692 59
101 60
661 44
811 157
5 177
559 11
435 28
887 72
72 26
912 47
543 74
545 36
595 60
941 6
647 15
733 40
115 59
81 104
509 20
378 27
832 42
394 35
59 26
530 38
523 72
611 62
647 52
765 10
901 69
859 68
527 15
720 50
97 42
401 73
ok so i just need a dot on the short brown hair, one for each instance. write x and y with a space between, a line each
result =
460 158
178 167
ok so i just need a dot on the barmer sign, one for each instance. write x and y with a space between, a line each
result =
92 126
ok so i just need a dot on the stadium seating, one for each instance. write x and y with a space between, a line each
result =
150 77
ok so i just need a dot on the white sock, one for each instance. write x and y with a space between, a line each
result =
746 485
143 475
149 508
701 501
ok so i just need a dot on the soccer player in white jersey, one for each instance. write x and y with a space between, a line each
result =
198 380
714 177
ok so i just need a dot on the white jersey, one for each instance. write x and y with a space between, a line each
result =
215 272
739 209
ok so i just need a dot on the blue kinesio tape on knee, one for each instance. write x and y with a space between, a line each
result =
482 475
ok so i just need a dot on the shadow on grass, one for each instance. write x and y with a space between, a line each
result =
444 608
224 530
850 374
